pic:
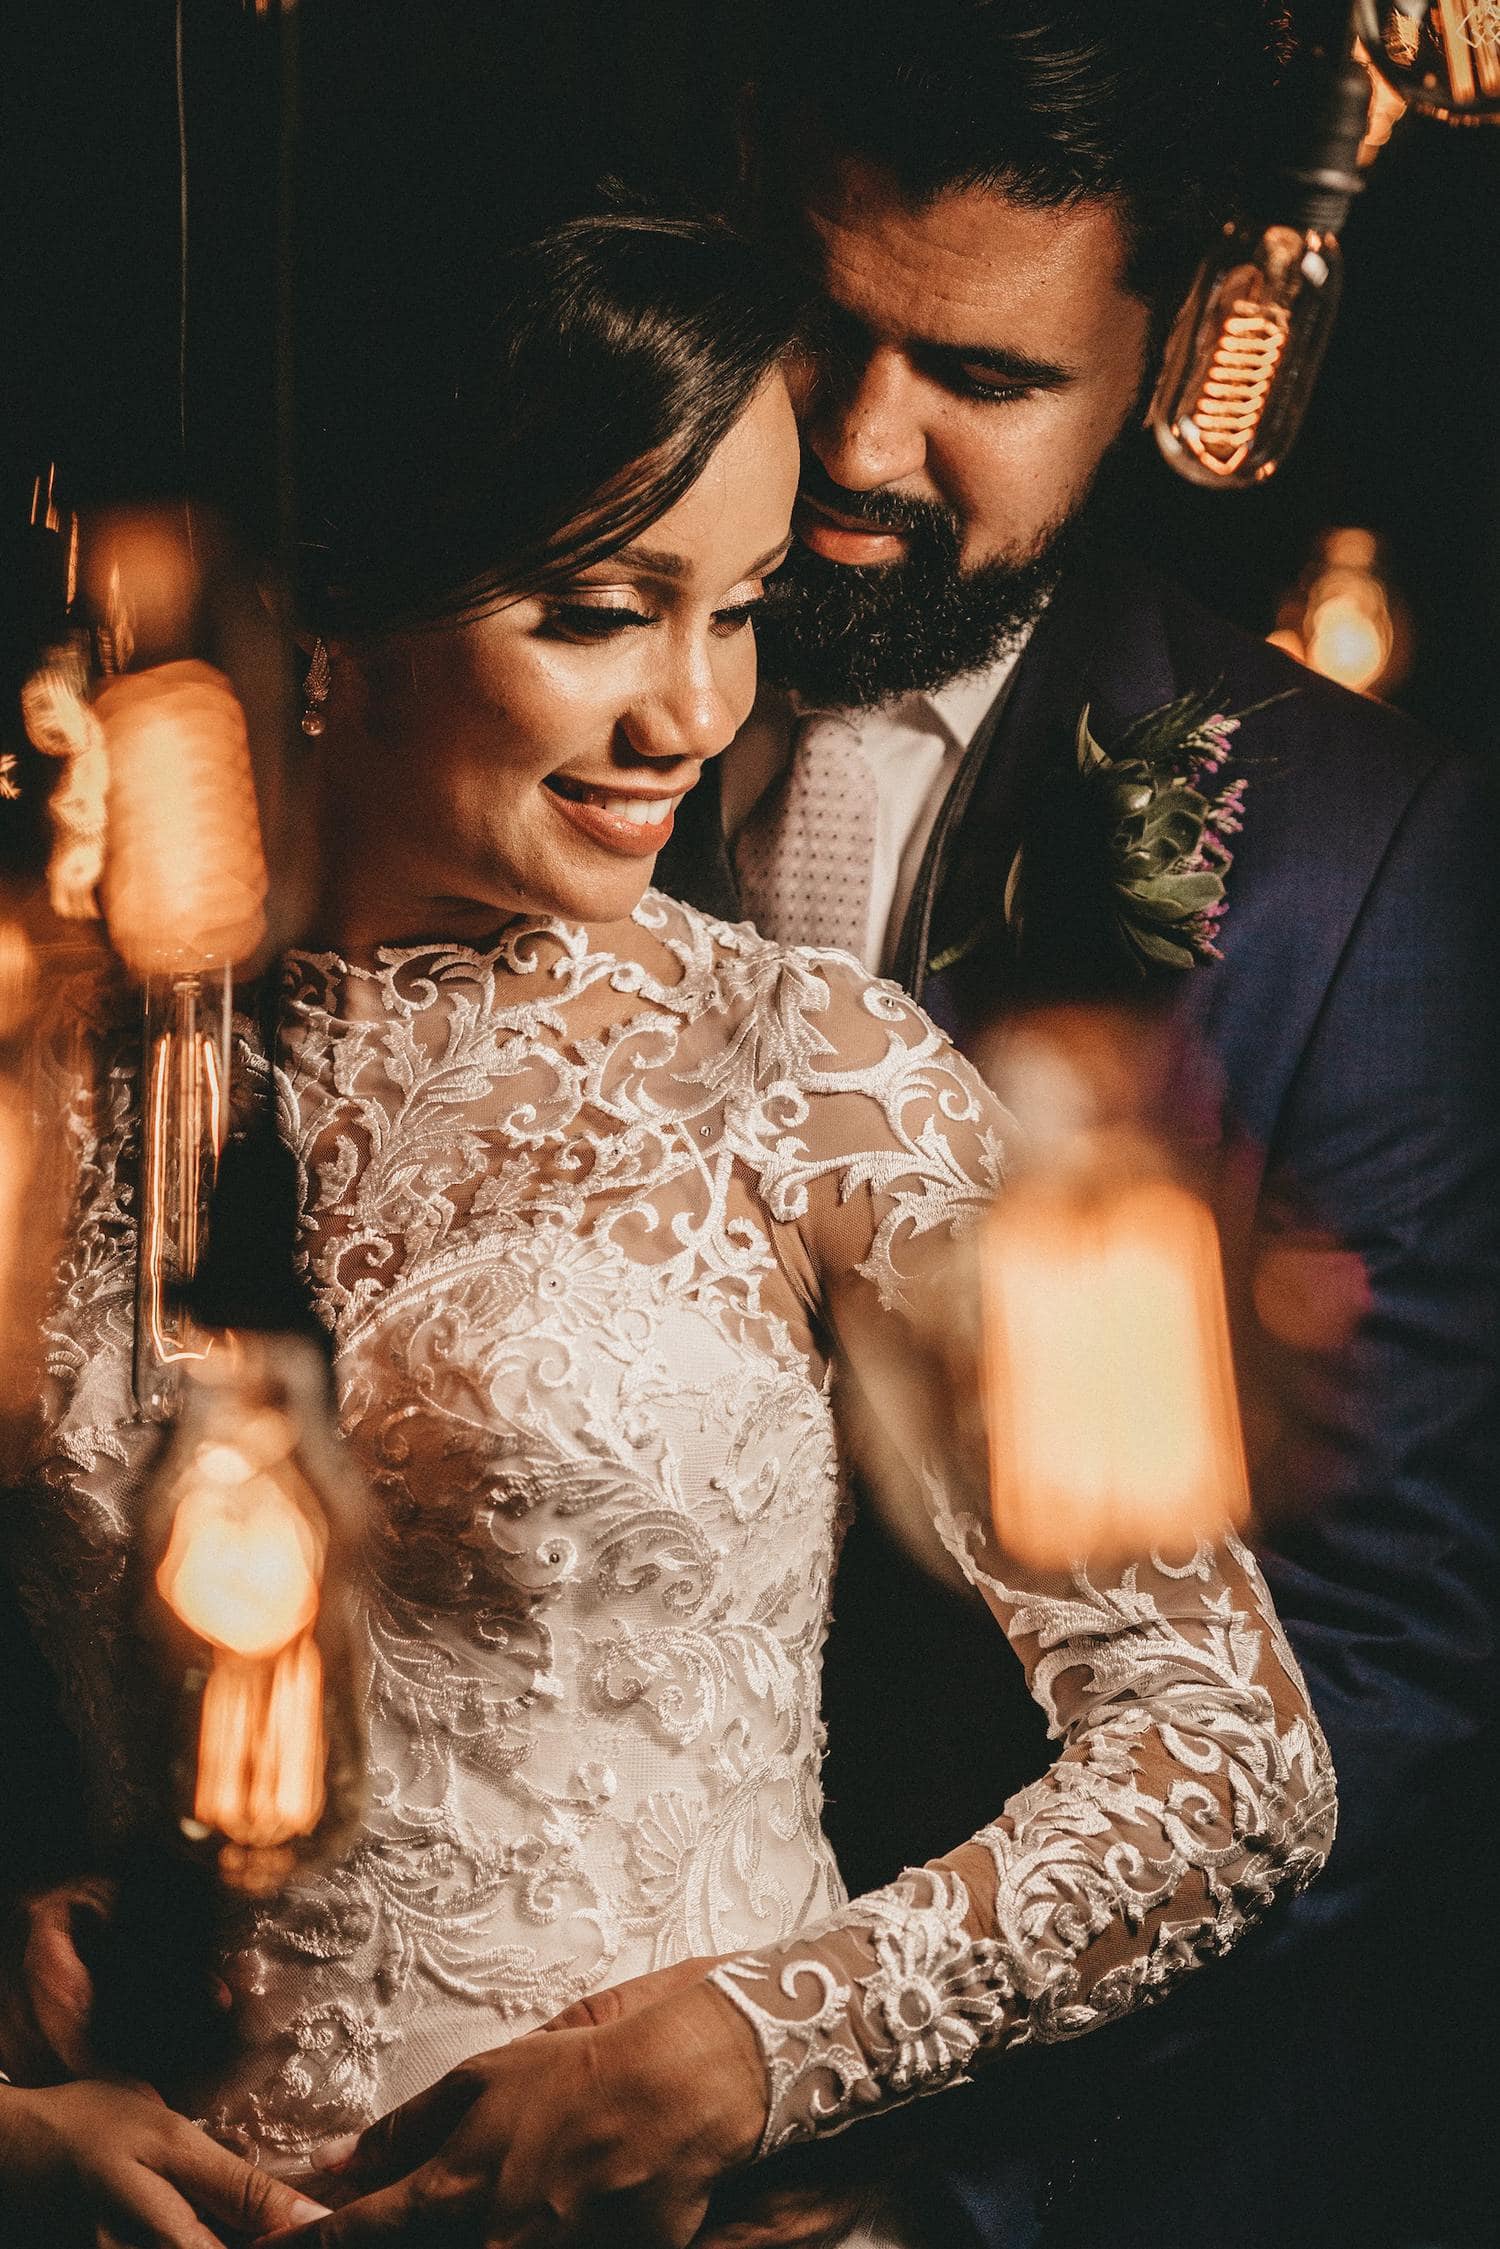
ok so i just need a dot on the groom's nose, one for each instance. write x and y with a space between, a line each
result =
864 420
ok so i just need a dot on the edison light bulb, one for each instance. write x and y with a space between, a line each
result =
184 893
1244 354
1107 1377
1442 56
251 1536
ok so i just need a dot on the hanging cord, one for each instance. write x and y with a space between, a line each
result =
182 278
250 1276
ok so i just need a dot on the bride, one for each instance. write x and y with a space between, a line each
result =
597 1195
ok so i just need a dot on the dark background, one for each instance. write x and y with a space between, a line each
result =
429 129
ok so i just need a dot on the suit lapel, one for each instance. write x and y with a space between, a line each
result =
1100 641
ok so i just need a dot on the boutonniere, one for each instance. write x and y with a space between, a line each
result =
1124 853
1166 818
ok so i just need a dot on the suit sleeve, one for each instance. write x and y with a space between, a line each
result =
1377 1286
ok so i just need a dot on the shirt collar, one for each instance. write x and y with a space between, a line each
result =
957 708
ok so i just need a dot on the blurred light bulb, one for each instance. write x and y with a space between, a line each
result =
17 977
254 1516
1441 56
1344 619
1244 354
185 878
184 890
1108 1380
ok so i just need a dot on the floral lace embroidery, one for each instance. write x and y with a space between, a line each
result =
575 1224
1194 1785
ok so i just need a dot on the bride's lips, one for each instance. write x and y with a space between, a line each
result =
844 538
634 822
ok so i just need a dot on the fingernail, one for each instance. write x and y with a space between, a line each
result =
306 2213
332 2155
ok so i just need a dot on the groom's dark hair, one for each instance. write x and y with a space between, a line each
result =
1158 105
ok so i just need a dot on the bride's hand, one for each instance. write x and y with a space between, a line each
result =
623 2129
48 1990
99 2164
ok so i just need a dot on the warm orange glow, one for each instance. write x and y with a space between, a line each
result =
1349 640
184 1133
17 978
1109 1387
1386 111
185 878
243 1570
243 1562
143 582
15 1172
261 1750
1343 620
1221 426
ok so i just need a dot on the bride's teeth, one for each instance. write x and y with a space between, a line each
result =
641 812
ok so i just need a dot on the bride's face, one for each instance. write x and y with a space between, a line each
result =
531 762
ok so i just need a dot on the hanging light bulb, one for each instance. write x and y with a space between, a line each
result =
1441 56
1108 1381
184 901
1246 347
249 1536
1344 619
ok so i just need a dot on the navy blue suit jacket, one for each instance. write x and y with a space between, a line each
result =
1322 2087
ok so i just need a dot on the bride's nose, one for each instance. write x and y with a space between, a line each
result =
685 710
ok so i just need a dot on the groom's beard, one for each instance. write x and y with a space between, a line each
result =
853 635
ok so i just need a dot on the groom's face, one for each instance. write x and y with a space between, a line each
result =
975 360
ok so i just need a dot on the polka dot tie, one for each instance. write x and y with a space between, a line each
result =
806 854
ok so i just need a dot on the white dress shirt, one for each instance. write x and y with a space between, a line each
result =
914 747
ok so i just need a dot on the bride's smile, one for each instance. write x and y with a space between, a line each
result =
531 760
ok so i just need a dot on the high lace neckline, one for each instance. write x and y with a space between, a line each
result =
530 962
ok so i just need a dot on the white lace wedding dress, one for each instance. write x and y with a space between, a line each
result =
583 1229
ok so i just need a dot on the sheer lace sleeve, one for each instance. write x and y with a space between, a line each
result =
1191 1783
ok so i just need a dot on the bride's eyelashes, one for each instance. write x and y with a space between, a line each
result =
581 620
596 621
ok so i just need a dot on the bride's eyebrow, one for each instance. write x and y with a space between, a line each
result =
659 562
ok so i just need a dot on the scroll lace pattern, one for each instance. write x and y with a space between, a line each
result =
1193 1786
564 1213
580 1220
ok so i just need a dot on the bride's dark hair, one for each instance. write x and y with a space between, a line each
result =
447 474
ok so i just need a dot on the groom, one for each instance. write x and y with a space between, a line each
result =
1000 207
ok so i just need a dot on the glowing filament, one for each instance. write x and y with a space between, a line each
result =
184 1133
242 1570
1223 424
261 1749
1109 1391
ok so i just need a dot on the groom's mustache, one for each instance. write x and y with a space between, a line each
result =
881 510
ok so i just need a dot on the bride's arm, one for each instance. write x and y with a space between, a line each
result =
1192 1782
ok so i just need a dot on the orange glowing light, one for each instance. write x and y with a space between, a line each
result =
262 1753
184 1134
1343 619
1221 427
185 878
1387 108
243 1570
17 978
15 1171
242 1564
1109 1386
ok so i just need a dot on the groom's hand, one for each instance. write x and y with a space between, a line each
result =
617 2132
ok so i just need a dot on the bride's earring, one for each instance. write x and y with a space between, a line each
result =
315 688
